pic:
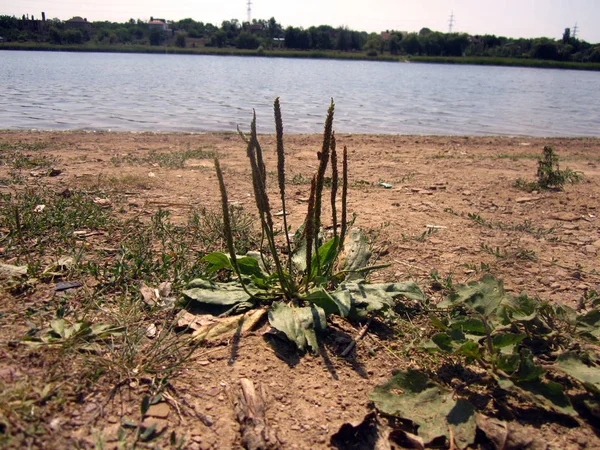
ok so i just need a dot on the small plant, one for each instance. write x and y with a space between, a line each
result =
309 279
524 346
549 175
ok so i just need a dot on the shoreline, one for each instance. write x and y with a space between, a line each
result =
308 54
295 135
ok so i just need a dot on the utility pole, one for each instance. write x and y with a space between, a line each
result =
575 31
249 5
451 22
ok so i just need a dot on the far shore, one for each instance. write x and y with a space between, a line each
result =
308 54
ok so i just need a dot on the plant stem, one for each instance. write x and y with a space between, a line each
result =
227 225
334 185
281 176
324 159
309 229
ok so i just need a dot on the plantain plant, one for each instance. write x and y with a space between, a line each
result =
311 278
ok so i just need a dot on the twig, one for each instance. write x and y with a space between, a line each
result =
360 335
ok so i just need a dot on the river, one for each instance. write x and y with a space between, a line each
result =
193 93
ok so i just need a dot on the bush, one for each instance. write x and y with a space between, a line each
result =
548 173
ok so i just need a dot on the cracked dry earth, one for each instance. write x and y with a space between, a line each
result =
546 243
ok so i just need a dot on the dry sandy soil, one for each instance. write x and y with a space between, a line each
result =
546 243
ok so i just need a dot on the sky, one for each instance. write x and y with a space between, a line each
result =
511 18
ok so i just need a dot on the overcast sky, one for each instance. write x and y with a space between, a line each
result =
511 18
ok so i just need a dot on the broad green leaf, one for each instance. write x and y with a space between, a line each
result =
589 324
469 349
528 371
299 324
443 341
502 340
217 261
572 364
379 298
462 420
547 394
551 394
482 296
411 395
249 266
437 323
508 363
521 308
469 325
338 303
326 253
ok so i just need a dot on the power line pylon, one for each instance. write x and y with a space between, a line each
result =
249 10
451 22
575 31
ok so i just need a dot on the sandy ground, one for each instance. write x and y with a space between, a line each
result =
546 243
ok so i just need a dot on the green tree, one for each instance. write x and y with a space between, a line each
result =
545 49
247 40
411 44
180 40
156 36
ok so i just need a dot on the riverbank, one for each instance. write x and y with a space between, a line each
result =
106 222
309 54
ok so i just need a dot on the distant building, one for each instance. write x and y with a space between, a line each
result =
33 25
158 24
78 23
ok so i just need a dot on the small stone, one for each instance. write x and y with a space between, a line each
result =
161 425
160 410
591 249
526 199
565 217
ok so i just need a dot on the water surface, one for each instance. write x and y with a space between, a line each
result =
150 92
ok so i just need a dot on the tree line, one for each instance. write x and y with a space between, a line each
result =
269 34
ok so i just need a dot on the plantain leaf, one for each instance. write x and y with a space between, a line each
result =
249 267
573 365
217 261
299 324
339 303
412 396
326 253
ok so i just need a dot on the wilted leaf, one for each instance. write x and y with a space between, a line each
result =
355 254
571 364
368 434
299 324
10 271
226 327
216 297
412 396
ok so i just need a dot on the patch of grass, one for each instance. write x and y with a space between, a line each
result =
20 156
207 228
169 160
524 185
